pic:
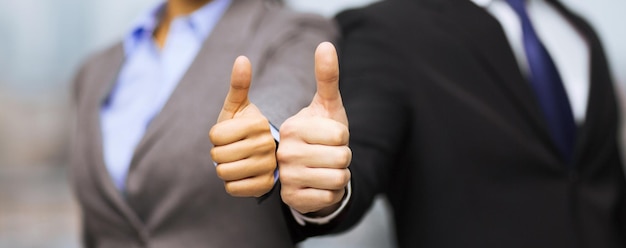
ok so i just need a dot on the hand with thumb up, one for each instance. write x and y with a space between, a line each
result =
313 154
243 146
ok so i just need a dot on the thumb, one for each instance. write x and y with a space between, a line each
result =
328 97
327 74
237 97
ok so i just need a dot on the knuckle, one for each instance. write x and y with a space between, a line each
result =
347 177
335 180
215 155
345 157
327 197
340 179
261 123
268 184
269 166
288 128
214 135
338 136
221 172
231 189
267 143
345 133
284 153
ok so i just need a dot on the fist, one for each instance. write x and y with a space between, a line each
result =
313 154
243 146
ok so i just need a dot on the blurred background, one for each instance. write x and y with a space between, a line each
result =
41 45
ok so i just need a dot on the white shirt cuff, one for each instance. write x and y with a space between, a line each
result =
302 219
276 136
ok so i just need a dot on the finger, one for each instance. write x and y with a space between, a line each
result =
327 73
245 168
229 131
315 156
237 97
317 178
243 149
310 200
255 186
316 130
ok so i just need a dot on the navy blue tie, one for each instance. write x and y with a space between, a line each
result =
548 86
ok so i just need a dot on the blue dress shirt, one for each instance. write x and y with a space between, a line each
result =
147 78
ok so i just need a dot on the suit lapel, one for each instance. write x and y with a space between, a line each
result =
488 42
227 40
108 72
601 113
210 73
224 44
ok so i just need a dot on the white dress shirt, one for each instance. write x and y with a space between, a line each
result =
566 46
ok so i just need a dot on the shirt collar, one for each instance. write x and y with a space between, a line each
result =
142 28
482 3
201 22
204 19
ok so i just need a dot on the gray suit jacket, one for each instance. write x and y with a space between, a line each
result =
173 197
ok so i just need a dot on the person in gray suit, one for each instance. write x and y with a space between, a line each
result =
140 164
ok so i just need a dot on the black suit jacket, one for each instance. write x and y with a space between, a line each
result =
443 122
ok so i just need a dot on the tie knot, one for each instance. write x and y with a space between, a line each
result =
518 5
512 2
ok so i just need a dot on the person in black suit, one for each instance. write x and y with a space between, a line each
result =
481 129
